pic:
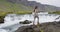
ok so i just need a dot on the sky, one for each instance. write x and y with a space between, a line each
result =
49 2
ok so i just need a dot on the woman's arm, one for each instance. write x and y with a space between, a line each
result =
33 12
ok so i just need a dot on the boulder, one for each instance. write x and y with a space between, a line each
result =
25 22
28 29
1 19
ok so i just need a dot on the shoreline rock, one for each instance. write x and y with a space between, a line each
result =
1 19
26 22
45 27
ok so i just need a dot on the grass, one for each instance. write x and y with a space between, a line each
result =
8 6
24 12
19 12
56 12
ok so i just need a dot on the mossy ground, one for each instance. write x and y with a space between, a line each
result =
56 12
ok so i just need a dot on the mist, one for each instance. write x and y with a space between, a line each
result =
49 2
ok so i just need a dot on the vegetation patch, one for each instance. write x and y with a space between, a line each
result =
56 12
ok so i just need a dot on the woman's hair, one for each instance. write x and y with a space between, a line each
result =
35 8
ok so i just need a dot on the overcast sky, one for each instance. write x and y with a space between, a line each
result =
50 2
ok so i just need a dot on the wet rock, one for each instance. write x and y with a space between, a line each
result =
27 29
1 19
45 27
26 22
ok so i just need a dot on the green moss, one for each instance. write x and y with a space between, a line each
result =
18 12
23 12
2 19
56 12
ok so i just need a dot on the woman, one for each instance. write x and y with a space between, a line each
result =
36 14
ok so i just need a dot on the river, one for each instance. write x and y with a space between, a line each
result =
11 21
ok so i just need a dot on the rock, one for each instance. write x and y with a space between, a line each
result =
27 29
45 27
25 22
1 19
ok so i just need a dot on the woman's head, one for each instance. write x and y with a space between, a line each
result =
36 7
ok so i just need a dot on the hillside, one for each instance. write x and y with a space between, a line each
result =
6 6
23 6
42 7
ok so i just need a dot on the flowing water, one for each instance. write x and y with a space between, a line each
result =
12 20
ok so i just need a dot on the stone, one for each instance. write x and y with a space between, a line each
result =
1 19
26 22
45 27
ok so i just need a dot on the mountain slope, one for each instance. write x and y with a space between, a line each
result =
42 7
8 6
24 5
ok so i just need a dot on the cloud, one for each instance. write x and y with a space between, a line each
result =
49 2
